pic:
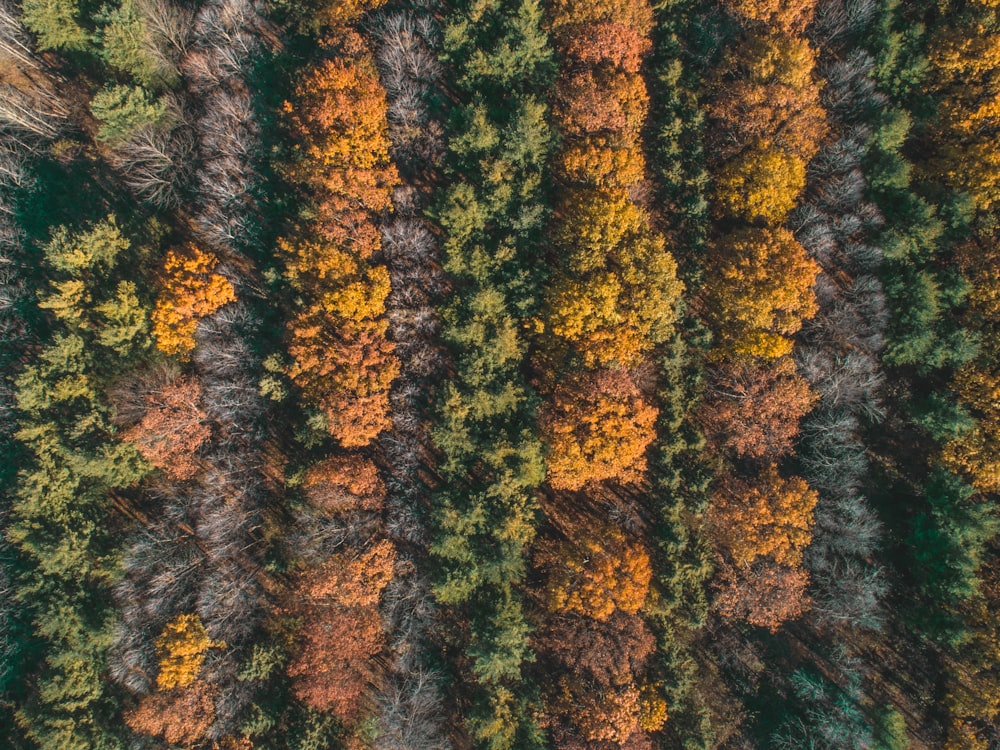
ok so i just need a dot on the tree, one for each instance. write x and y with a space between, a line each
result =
594 572
351 580
766 594
346 367
761 185
57 23
605 161
769 516
753 407
597 427
976 453
182 648
603 716
792 16
577 14
614 295
172 428
622 45
338 122
181 716
191 290
605 653
333 665
124 110
600 100
758 290
343 484
341 631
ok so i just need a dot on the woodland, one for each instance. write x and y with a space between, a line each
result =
499 374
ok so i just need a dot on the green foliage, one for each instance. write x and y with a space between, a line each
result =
492 217
122 110
947 543
59 516
58 24
890 730
123 40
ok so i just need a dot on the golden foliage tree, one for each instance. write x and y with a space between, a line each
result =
615 294
182 648
191 290
758 290
788 15
596 571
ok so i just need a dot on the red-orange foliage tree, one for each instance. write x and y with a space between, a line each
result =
606 653
341 630
172 429
181 716
766 594
333 667
753 407
344 483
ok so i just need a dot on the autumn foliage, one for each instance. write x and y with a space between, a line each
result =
598 427
172 429
344 483
182 648
766 123
768 516
341 631
181 716
192 289
342 359
613 294
595 572
753 407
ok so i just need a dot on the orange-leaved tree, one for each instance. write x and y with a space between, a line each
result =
191 290
340 134
172 428
344 483
341 631
594 571
597 426
767 516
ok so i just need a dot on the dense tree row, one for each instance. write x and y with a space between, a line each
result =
22 131
963 78
410 700
192 597
765 123
343 364
612 297
492 215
